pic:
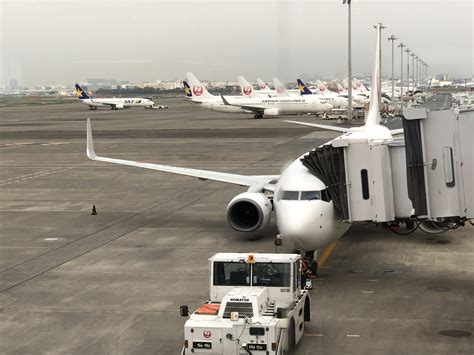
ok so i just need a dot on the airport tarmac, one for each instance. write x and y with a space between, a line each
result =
75 283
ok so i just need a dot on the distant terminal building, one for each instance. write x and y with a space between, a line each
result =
442 77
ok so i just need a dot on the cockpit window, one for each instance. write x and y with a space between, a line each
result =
290 195
310 195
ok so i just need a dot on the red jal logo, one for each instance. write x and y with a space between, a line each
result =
322 87
247 90
280 89
198 90
262 86
206 334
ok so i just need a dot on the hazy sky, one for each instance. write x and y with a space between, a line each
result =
67 41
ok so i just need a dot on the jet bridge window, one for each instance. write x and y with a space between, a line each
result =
365 184
271 274
231 274
448 166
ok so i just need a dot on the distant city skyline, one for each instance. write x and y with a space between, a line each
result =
63 41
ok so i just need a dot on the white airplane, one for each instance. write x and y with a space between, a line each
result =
197 94
328 96
279 105
113 103
304 209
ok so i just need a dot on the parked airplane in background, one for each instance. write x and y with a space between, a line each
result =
263 88
197 94
112 103
329 97
304 210
247 89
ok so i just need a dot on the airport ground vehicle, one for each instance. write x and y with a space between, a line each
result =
256 306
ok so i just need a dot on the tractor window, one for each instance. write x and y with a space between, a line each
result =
231 274
271 274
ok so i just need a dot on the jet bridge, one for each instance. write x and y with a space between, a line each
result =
427 174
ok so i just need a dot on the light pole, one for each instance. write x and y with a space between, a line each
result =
408 70
380 27
401 45
393 39
415 85
413 55
349 62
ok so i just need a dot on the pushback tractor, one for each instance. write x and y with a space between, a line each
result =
256 306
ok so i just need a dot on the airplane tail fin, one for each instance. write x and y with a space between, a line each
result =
279 87
198 91
322 88
262 85
187 90
81 93
359 86
303 88
340 88
373 116
245 87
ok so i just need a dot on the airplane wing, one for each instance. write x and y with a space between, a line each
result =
322 126
245 107
266 181
339 129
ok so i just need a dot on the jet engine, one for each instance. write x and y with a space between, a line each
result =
271 111
119 107
249 212
440 225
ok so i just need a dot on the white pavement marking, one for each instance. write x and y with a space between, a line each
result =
367 291
51 239
33 175
353 335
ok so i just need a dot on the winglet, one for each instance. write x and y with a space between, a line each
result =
224 100
90 143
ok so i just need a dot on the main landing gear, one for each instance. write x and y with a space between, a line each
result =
93 108
258 115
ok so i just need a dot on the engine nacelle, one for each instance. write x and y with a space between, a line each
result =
249 212
119 106
271 111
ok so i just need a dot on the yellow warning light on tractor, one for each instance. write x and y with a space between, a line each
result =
250 259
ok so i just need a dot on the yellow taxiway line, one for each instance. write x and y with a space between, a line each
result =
327 253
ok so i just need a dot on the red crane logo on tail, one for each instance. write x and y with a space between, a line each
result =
261 86
198 90
247 90
280 90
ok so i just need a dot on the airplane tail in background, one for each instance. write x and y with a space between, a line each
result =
279 87
245 87
359 86
322 88
262 85
303 88
198 91
81 93
187 90
340 89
